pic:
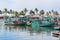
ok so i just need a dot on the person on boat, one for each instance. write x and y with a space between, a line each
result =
29 23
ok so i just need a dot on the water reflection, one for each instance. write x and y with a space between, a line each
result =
29 29
27 33
15 28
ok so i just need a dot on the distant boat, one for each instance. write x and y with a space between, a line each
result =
16 21
56 28
36 23
12 23
19 24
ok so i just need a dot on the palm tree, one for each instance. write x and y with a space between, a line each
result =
42 12
36 10
0 12
8 12
25 10
50 13
47 13
56 13
32 12
53 12
11 11
22 13
5 10
16 13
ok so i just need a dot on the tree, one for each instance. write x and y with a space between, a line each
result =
16 13
42 12
32 12
5 10
36 10
52 11
25 10
8 12
55 12
22 13
47 13
0 12
11 11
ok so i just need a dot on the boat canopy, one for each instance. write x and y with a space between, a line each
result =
46 18
23 18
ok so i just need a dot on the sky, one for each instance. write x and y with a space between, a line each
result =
30 4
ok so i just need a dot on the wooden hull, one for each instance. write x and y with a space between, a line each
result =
56 28
16 24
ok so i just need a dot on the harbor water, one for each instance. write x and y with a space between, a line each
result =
26 32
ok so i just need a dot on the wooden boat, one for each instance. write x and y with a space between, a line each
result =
47 24
46 18
56 28
38 23
21 21
13 24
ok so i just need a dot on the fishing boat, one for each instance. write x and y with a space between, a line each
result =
14 24
32 20
47 24
23 20
56 28
42 23
16 21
